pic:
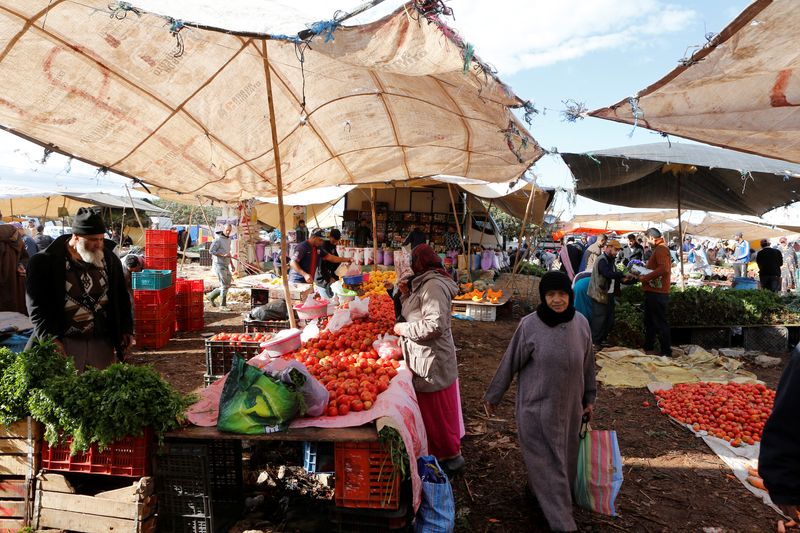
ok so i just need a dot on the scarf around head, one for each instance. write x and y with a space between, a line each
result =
424 259
555 281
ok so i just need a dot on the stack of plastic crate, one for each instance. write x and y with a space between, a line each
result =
189 305
161 250
154 307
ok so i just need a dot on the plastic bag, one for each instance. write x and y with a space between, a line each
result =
353 270
487 258
340 319
388 347
359 308
341 271
599 476
437 511
315 395
253 403
311 331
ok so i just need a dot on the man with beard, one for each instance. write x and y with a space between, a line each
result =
76 293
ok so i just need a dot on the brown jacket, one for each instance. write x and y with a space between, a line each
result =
12 254
661 265
426 336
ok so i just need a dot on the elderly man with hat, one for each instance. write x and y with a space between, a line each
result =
604 287
76 294
305 260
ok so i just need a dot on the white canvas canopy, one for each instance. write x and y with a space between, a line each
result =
15 200
396 99
721 226
739 91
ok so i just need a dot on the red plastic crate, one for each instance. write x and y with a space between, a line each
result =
162 263
160 236
127 457
153 312
159 297
365 476
155 340
183 285
163 251
189 299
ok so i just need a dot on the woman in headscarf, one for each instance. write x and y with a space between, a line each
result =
13 258
428 349
551 352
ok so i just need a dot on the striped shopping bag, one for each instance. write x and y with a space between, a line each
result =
599 476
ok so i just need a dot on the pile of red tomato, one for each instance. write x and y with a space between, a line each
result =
735 412
242 337
346 363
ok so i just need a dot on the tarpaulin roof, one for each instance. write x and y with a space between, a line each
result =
739 91
725 227
42 203
643 216
725 181
395 99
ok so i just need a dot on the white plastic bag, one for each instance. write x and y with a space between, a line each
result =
388 347
314 393
353 270
310 301
340 319
359 308
311 331
341 271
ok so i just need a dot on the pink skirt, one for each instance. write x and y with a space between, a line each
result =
444 423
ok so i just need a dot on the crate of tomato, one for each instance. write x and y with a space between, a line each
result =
221 348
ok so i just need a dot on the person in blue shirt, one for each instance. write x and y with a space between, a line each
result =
741 256
307 256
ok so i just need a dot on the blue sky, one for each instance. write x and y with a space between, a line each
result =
591 51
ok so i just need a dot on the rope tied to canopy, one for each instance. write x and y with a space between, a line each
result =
637 113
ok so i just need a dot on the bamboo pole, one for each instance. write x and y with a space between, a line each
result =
47 208
680 230
374 231
455 215
528 208
135 212
186 238
279 186
485 220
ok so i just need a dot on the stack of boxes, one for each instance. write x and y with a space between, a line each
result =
161 251
154 307
189 305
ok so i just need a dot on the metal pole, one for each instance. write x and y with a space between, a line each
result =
374 231
279 185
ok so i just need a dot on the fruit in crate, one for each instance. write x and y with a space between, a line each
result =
241 337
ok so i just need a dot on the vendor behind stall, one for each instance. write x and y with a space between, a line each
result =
307 256
325 274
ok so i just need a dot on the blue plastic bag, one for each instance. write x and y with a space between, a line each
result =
437 511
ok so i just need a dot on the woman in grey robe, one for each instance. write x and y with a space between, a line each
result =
551 352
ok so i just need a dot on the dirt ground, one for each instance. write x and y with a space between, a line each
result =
673 481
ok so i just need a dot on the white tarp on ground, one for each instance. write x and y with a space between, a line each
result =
740 91
399 98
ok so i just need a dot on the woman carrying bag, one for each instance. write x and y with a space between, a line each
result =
551 352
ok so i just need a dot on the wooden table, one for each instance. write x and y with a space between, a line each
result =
365 433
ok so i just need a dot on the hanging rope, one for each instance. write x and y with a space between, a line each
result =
574 111
468 52
530 112
175 28
637 113
120 10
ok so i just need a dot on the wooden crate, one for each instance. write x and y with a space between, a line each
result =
130 509
20 446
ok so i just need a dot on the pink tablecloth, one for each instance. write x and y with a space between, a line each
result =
396 407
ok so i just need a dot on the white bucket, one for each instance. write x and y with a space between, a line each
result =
369 256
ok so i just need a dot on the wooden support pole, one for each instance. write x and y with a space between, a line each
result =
186 238
680 231
374 231
528 208
135 212
485 220
279 186
47 208
455 215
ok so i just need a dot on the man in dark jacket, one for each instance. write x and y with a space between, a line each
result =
76 293
325 274
415 238
770 261
42 241
779 458
604 287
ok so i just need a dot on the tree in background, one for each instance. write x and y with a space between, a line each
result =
180 212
